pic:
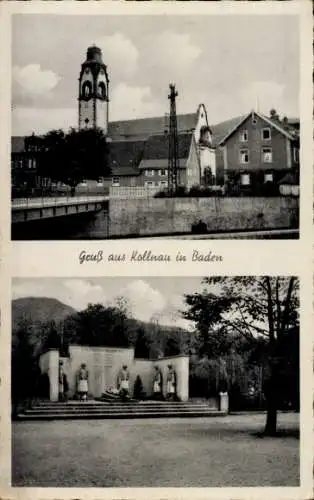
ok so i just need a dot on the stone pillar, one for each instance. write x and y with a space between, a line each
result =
53 372
224 402
183 379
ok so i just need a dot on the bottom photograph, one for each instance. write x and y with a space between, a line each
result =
155 382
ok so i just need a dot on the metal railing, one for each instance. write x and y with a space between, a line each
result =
49 201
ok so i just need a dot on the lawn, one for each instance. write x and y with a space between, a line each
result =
200 452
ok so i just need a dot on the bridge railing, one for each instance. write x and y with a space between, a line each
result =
55 201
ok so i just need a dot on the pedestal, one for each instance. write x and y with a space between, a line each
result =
224 402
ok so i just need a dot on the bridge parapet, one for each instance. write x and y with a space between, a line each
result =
29 203
30 209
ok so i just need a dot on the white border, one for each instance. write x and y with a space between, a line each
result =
240 257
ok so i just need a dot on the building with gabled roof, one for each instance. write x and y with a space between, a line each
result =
257 149
246 149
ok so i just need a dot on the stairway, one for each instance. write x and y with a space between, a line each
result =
116 409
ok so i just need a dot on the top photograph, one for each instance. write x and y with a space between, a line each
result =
154 126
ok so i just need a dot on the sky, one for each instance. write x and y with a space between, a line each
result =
232 64
161 299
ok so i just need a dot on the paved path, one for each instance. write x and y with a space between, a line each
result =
204 452
240 235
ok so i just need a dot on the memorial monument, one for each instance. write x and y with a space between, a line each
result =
88 372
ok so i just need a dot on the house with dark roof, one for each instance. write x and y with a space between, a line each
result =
255 149
247 149
139 150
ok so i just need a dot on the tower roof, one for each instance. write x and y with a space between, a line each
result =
94 54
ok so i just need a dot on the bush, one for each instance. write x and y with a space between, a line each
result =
138 392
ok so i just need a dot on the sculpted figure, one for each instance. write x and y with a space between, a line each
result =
82 385
171 383
157 388
123 382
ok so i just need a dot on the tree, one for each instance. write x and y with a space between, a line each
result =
74 156
24 366
172 344
142 344
100 326
255 308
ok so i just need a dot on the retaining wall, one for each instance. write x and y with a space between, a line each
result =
177 215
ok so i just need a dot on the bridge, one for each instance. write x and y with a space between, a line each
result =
30 209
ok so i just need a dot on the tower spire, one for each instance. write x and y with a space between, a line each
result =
173 157
93 97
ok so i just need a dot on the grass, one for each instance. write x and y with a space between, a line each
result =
200 452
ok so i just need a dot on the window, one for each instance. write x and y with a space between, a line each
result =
149 173
296 155
244 136
86 89
190 172
245 179
149 184
116 181
267 155
266 134
163 183
268 177
102 90
244 156
163 172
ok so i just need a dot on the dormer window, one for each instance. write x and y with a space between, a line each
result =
244 136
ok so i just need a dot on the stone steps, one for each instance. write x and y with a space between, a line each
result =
117 410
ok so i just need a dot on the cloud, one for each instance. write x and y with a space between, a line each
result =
169 56
79 293
33 81
133 102
120 54
145 302
26 120
264 95
28 289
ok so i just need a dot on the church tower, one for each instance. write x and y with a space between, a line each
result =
93 97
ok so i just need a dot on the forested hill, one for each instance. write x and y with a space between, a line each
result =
38 310
43 320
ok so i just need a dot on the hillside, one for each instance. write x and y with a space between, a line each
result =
39 310
150 340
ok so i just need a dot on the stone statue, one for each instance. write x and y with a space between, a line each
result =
82 385
123 382
157 388
171 383
61 381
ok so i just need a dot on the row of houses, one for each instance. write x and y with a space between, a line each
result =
250 150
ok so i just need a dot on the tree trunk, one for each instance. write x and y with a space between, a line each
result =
271 403
271 419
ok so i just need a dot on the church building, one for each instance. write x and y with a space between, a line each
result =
248 151
139 148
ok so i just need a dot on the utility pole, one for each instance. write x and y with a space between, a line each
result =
173 158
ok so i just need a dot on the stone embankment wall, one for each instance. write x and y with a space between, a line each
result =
136 217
